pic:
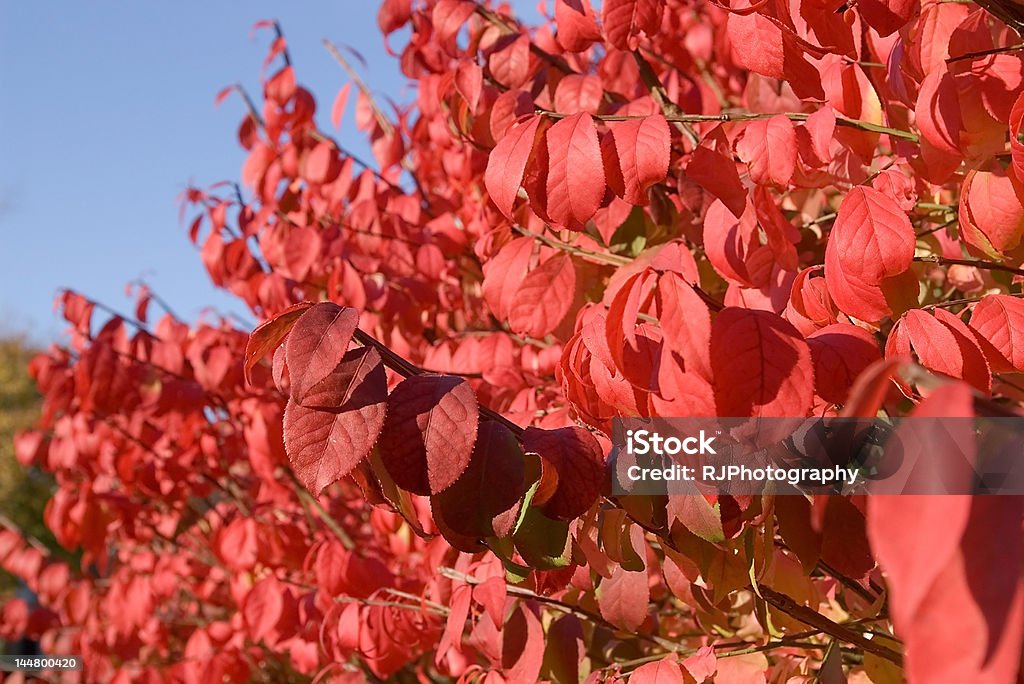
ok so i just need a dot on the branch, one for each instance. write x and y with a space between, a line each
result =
815 619
361 84
606 259
330 523
509 27
966 300
986 53
750 116
522 592
669 108
29 539
382 120
407 369
977 263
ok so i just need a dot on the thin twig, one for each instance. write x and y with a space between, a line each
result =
986 53
751 116
308 499
977 263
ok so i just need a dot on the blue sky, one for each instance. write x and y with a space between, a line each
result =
106 115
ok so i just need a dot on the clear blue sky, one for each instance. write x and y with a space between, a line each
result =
106 115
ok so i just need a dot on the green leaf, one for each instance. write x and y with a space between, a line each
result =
542 542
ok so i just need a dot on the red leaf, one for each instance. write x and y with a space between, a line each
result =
664 671
768 47
330 435
642 147
625 20
577 26
734 247
868 256
509 64
458 614
840 353
943 344
522 646
268 335
579 461
888 16
507 162
761 365
534 312
316 345
480 503
223 95
999 322
577 92
952 555
938 112
623 598
469 80
686 323
300 252
991 215
768 146
429 432
491 594
338 109
263 607
504 273
447 18
575 183
712 167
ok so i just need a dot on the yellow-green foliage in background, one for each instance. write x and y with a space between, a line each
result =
23 492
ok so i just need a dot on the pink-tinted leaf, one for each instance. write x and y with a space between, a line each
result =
624 20
577 25
534 312
338 108
330 435
998 321
642 147
664 671
575 179
268 335
840 353
316 345
623 598
768 146
868 256
507 162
